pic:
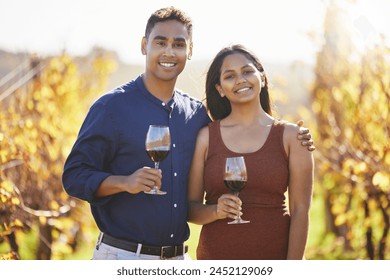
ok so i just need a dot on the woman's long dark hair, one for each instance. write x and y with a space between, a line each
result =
219 107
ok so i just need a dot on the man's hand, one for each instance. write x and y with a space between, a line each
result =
305 136
143 179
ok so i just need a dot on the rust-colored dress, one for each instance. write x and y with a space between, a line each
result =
266 236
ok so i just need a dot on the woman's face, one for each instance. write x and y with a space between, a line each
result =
240 81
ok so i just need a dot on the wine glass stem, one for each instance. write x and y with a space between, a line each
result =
238 218
156 166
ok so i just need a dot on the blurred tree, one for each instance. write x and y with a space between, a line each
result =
351 97
37 129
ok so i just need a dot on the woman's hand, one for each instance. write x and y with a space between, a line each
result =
229 206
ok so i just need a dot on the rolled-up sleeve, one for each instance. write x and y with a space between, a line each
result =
85 167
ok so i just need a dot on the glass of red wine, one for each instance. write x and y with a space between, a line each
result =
235 177
158 145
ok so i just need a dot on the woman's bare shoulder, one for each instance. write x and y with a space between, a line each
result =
290 129
203 135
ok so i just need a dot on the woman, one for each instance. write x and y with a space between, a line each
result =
238 101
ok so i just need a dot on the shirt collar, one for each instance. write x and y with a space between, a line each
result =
140 84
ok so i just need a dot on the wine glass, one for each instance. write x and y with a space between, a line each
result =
158 145
235 177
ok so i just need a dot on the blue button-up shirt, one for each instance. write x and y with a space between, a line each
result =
112 142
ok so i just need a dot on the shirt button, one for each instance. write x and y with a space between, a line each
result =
174 145
175 174
172 235
163 104
175 205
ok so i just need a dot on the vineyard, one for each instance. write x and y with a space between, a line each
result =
349 118
38 125
351 102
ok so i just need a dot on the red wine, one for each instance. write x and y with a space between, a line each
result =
157 155
234 185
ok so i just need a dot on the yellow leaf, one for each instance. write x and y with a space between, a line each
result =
387 158
382 180
337 208
340 219
7 186
63 248
54 205
18 223
29 123
37 95
42 220
337 94
360 168
46 93
30 105
15 201
348 164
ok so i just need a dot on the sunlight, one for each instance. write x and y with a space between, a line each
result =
368 24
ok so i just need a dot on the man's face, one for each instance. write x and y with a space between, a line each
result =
166 50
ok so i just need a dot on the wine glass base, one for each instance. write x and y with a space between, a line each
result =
156 192
238 221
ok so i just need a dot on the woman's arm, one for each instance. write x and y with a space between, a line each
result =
300 189
199 213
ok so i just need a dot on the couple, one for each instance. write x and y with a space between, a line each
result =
109 168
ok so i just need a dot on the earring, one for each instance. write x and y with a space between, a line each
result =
262 79
189 57
222 95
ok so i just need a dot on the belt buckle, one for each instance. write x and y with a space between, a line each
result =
162 254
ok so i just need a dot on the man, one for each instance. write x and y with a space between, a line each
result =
109 167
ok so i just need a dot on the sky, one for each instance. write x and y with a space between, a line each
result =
277 30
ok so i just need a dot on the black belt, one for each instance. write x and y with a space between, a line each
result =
165 252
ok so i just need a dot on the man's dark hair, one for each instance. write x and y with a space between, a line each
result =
165 14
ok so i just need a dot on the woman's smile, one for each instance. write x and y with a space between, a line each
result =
243 90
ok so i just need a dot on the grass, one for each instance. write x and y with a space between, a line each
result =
192 242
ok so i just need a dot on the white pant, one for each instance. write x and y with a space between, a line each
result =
107 252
